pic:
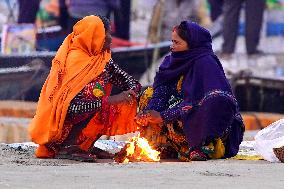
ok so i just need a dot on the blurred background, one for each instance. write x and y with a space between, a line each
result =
248 37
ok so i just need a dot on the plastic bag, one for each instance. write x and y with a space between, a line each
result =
269 138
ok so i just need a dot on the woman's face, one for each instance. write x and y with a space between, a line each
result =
108 41
178 44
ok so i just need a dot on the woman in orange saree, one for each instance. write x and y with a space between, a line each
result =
75 106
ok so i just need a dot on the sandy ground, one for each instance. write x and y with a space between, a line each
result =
20 169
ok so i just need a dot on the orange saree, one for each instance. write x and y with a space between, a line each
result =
78 61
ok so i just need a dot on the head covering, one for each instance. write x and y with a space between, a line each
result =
179 63
204 78
182 63
78 61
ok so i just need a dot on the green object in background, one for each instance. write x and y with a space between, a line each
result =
275 4
42 15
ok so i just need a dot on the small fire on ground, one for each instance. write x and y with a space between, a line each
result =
137 149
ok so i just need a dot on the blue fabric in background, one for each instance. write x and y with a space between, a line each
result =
272 29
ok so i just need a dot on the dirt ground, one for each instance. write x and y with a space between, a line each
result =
20 169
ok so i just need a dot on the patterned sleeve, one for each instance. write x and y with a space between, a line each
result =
172 114
84 106
160 99
166 101
121 79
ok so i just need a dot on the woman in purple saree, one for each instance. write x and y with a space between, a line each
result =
192 110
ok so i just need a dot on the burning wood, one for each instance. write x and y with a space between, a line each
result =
137 149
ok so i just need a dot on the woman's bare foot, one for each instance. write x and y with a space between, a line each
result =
101 154
73 152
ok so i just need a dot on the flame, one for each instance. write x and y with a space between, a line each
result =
138 149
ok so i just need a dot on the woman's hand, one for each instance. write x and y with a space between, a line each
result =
142 119
155 117
123 97
149 116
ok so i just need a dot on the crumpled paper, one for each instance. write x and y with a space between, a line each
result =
110 146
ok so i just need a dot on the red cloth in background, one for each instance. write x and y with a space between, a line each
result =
118 42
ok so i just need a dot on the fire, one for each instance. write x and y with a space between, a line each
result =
137 149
